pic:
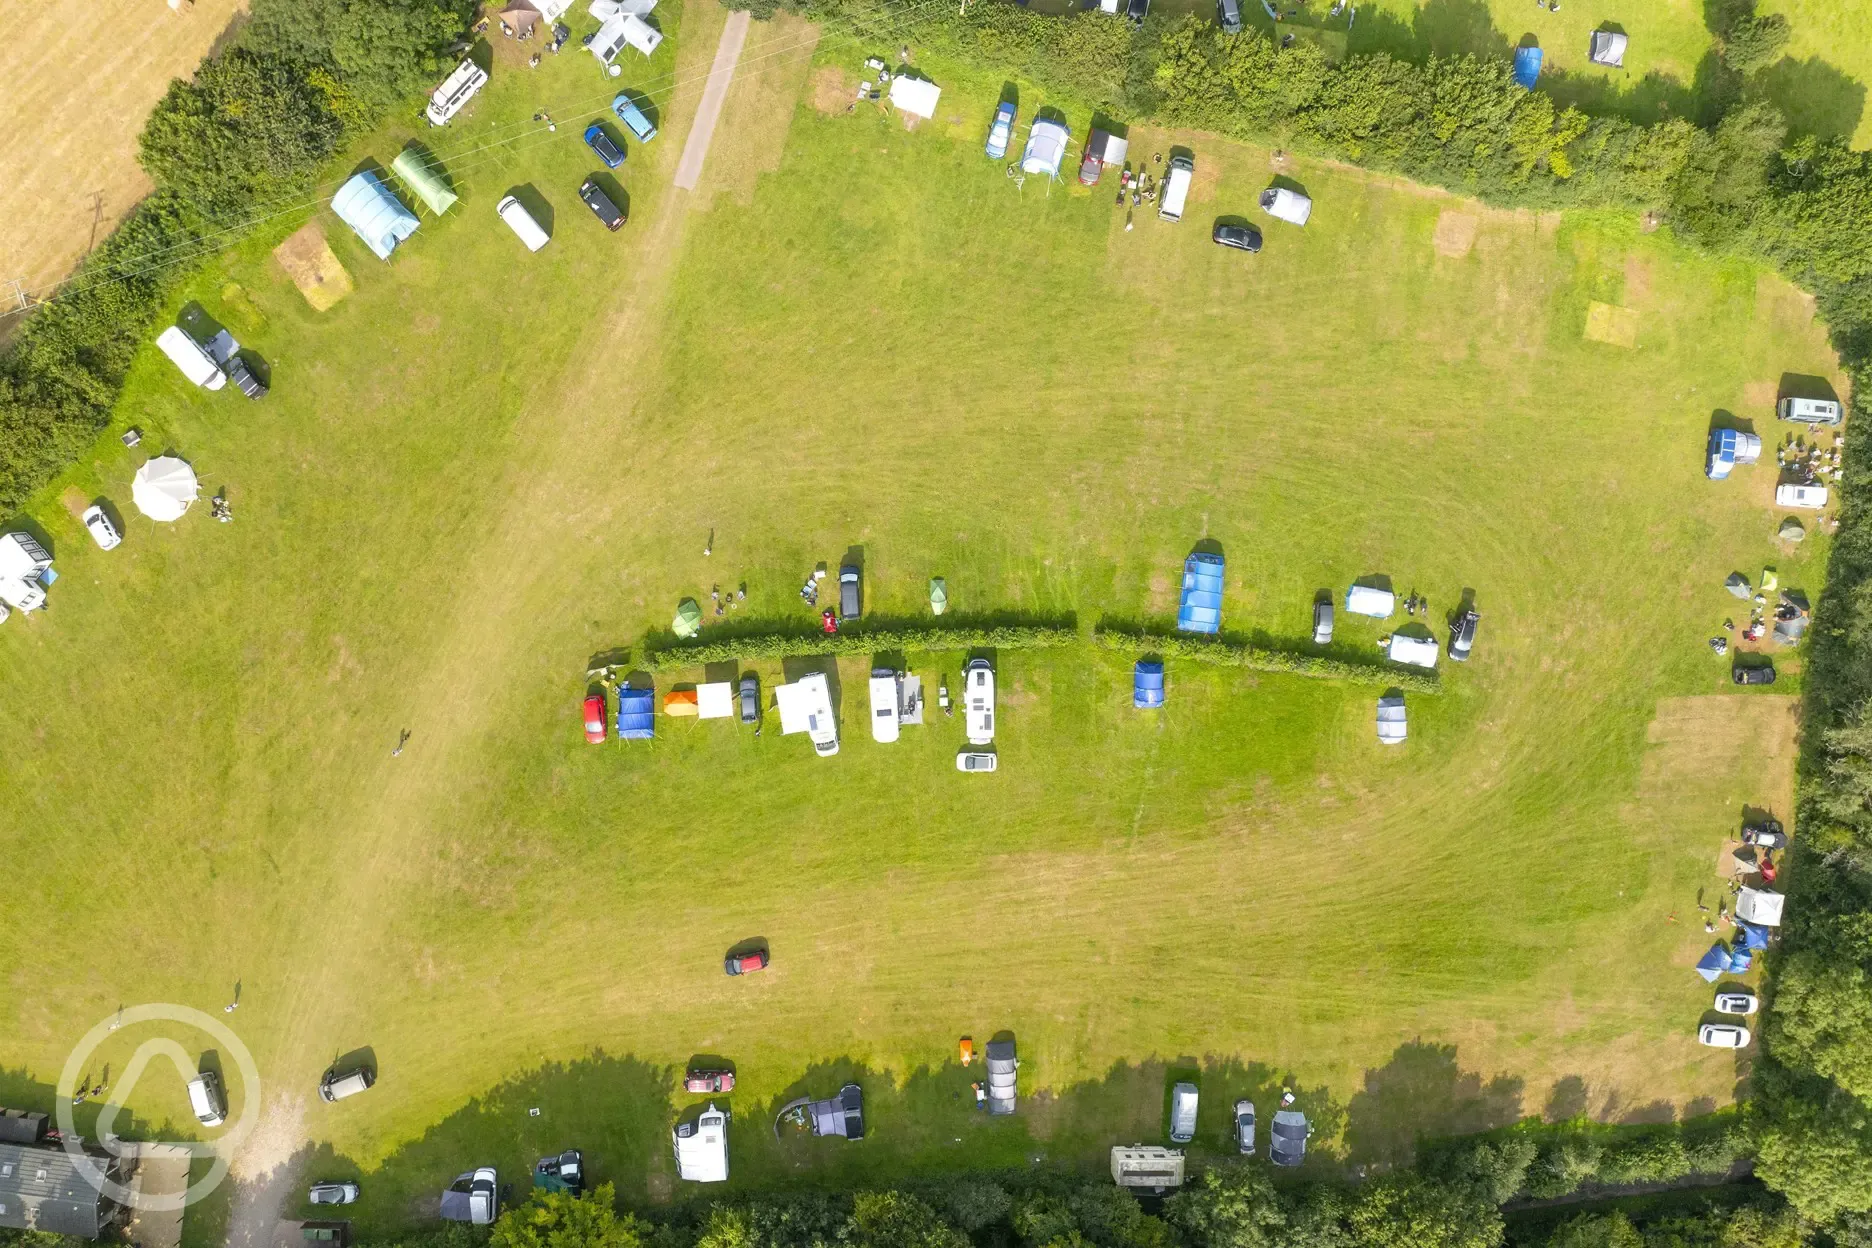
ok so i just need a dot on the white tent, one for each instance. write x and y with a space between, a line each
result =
715 700
915 96
1365 600
620 31
605 10
164 487
702 1146
1285 205
1759 906
1046 148
1417 651
1391 726
1607 48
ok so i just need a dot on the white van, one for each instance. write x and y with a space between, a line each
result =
978 696
1183 1113
189 356
337 1084
1809 411
884 695
205 1098
521 222
1176 188
1814 496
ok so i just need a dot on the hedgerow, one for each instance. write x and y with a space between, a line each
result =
1223 651
666 655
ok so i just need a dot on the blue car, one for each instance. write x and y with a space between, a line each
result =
600 142
1001 131
633 118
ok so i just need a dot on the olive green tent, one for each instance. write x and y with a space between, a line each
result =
688 621
939 596
423 176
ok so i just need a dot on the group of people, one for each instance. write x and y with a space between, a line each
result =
218 506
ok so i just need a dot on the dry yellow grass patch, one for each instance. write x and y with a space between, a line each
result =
1617 327
1455 233
309 261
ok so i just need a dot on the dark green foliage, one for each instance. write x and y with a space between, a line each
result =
1407 1209
1240 654
561 1220
1755 42
1822 1019
1562 1166
787 645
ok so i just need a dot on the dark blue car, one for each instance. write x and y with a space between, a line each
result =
600 142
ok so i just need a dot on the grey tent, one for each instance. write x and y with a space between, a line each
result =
1792 530
1391 723
1288 1146
1738 586
842 1116
1001 1067
1608 48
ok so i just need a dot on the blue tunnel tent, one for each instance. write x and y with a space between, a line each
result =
1201 608
1147 684
636 714
1714 963
1527 62
375 215
1739 960
1754 937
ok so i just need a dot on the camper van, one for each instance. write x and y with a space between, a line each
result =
1809 411
337 1085
521 222
1176 188
206 1099
1183 1113
884 697
455 91
189 356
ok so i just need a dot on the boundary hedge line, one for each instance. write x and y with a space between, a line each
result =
1222 651
662 657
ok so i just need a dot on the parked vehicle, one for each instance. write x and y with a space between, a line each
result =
609 214
1767 834
1135 11
473 1198
976 760
978 696
595 718
334 1193
709 1081
1809 411
602 143
562 1173
1176 187
633 118
884 710
1763 675
850 597
521 222
1322 623
1462 635
1812 497
336 1085
1736 1001
207 1099
1228 16
1001 131
750 699
746 963
97 523
1183 1113
1723 1036
1240 237
1244 1128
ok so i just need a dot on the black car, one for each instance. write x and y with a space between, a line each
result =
1763 675
750 699
1462 635
849 593
600 204
1240 237
1135 11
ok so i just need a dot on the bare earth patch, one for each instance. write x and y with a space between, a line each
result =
832 89
1455 233
1617 327
309 261
1637 279
75 501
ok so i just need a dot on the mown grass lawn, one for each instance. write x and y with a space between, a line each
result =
485 467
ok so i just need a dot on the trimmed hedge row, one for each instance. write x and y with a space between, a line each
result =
791 645
1221 651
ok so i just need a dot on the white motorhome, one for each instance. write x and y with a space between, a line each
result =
24 569
806 706
886 699
702 1146
1176 188
521 222
456 90
1812 496
191 357
1809 411
978 699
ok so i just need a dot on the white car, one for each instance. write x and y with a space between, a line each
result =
98 524
978 701
976 760
334 1193
1743 1003
884 694
1723 1036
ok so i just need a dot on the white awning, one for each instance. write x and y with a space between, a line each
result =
1760 906
715 700
915 96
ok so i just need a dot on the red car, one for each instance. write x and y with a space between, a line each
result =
595 718
709 1081
746 963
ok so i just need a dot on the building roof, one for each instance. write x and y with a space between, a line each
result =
43 1189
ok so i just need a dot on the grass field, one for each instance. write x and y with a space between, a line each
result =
482 468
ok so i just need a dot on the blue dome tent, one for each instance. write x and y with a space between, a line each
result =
1527 66
1201 608
1147 684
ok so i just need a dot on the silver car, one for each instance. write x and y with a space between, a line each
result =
1244 1127
1322 623
1732 1001
1183 1113
1723 1036
334 1193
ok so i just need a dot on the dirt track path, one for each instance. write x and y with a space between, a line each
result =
721 74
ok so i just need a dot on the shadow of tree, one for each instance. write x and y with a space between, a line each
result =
1422 1092
1815 97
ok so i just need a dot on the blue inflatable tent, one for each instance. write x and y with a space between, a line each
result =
373 213
1527 66
1754 937
1739 960
1147 684
1714 963
636 714
1201 608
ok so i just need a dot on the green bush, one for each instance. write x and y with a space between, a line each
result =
1562 1166
1656 1158
1222 651
661 657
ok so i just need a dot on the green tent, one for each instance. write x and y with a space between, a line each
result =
420 172
688 621
939 595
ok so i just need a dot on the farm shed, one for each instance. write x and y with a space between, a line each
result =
420 173
1147 684
636 714
916 96
1200 610
375 215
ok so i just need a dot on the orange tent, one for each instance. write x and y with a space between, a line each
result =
680 702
